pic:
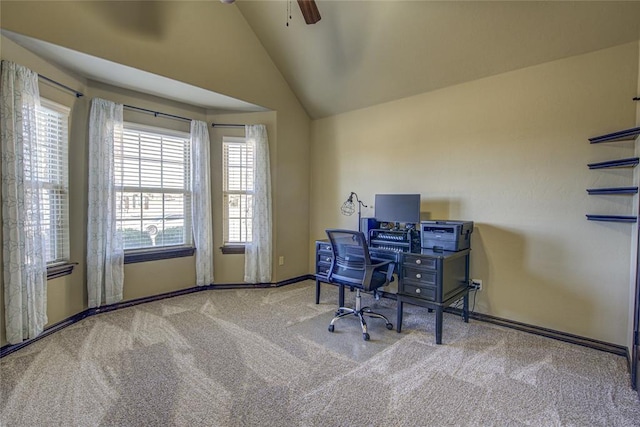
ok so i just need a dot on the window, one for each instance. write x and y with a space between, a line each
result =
52 174
152 173
238 160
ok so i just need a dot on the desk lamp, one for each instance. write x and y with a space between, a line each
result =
348 208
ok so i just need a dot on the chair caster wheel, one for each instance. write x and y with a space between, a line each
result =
331 327
366 336
389 326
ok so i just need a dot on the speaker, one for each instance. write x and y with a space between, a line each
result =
368 224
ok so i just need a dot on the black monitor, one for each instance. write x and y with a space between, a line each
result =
397 208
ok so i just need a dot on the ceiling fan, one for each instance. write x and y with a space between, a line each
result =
308 8
309 11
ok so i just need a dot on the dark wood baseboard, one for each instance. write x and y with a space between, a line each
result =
549 333
10 348
263 285
618 350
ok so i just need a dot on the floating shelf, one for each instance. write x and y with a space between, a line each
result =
612 218
632 162
623 135
621 163
614 190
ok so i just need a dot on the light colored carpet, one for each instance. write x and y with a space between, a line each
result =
264 357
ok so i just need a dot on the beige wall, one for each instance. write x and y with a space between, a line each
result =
205 44
510 153
289 169
66 296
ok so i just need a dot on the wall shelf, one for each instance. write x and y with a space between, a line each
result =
631 162
612 218
621 163
613 190
623 135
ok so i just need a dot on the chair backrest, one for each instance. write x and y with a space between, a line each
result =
351 257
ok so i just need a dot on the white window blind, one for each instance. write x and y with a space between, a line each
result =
238 166
152 172
53 175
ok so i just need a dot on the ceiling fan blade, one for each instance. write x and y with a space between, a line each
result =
309 11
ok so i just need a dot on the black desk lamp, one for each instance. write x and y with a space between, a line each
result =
348 208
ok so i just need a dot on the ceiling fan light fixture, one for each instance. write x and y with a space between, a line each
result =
227 1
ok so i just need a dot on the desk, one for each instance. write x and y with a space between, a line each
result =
434 280
426 278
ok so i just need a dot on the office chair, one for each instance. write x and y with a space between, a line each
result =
352 266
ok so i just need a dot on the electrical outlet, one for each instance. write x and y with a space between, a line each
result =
281 260
476 284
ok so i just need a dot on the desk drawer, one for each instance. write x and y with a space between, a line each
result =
324 247
427 293
420 275
323 268
324 257
419 261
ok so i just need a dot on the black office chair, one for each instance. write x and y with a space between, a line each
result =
352 266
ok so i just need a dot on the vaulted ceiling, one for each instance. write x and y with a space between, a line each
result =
363 53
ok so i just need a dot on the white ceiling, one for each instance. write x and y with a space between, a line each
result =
363 53
115 74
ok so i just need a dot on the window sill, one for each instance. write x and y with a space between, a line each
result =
133 257
232 249
59 270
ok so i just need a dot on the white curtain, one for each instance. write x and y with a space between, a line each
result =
23 245
201 202
258 254
105 253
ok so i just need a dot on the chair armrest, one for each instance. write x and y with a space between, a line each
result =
390 270
371 268
381 263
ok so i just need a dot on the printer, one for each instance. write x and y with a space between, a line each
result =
447 235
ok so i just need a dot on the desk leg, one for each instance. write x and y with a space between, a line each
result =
317 291
399 316
465 308
439 324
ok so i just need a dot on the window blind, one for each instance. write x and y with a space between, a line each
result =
152 174
53 175
238 167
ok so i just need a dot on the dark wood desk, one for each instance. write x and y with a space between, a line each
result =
426 278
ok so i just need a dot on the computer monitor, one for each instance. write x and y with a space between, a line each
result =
397 208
